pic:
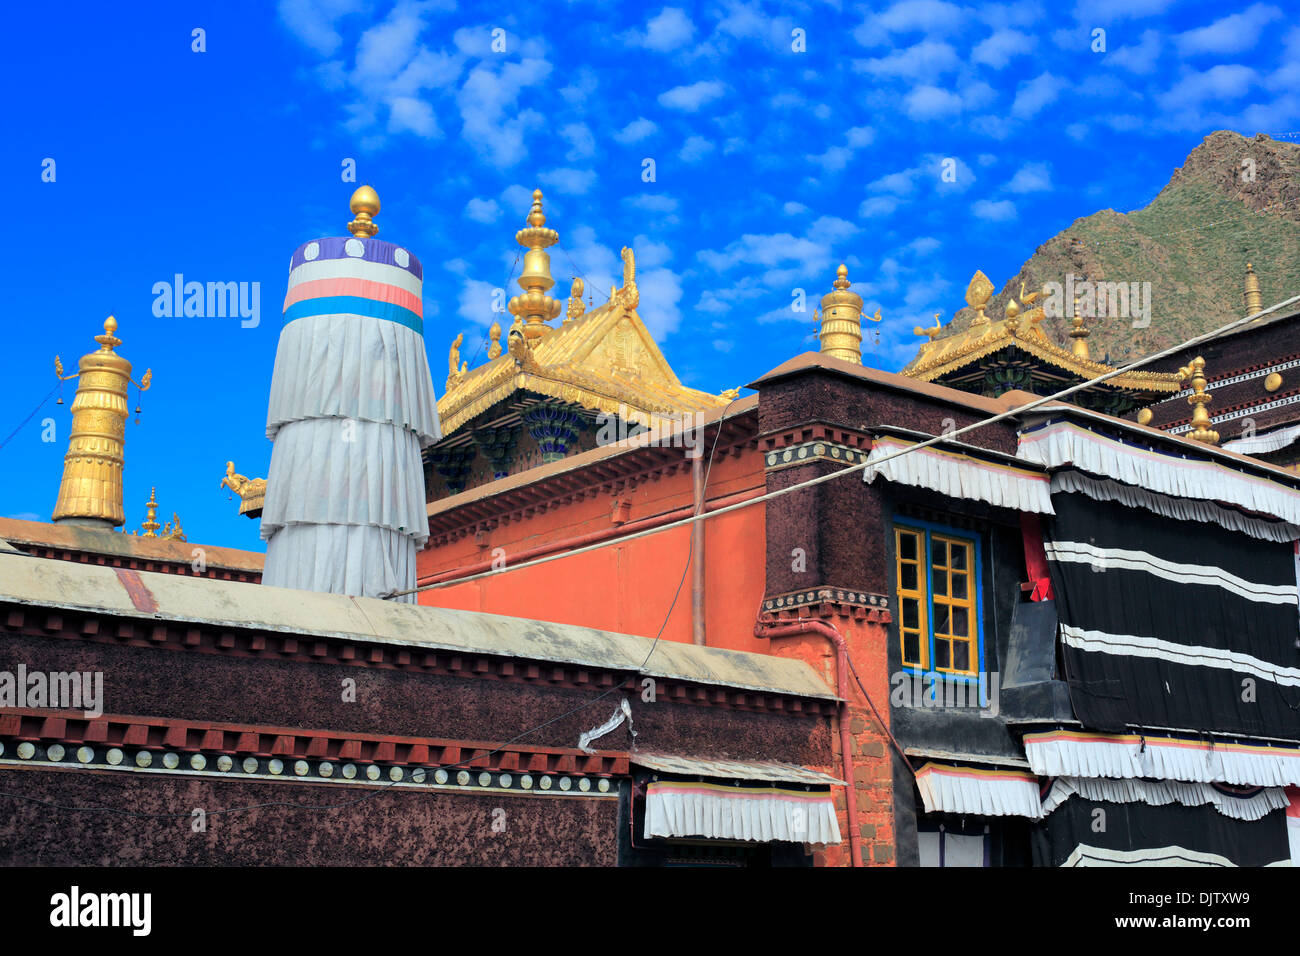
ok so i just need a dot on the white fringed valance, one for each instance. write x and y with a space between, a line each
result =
1064 443
1263 444
332 471
341 559
979 792
1067 753
355 367
762 814
1180 509
957 475
1160 792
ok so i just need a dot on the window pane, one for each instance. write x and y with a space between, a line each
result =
911 647
960 622
941 654
940 619
911 613
959 552
907 577
959 586
939 553
961 655
940 582
907 545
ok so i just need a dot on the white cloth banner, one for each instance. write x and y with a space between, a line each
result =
958 476
1064 443
983 793
1067 753
685 809
1160 792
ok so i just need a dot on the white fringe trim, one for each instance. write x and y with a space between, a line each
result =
983 793
1161 792
959 476
1181 509
318 476
1065 443
1263 444
1078 754
341 559
353 366
684 809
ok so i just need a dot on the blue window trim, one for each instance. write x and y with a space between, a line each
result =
930 528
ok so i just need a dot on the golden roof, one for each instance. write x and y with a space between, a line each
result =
1022 328
604 360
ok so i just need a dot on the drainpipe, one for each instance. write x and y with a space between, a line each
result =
607 534
697 553
770 629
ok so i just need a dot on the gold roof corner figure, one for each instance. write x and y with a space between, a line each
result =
90 492
494 336
576 308
535 307
628 298
841 320
1199 398
365 206
252 492
456 369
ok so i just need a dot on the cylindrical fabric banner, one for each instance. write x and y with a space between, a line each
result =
352 406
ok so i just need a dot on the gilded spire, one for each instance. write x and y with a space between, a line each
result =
576 308
91 490
1079 334
535 307
365 206
1199 398
1254 301
841 320
150 524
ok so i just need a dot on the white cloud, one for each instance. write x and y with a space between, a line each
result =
1031 178
1140 58
929 58
1225 81
635 131
1035 95
488 95
475 302
691 98
924 16
1002 210
313 21
794 209
571 182
408 113
1235 33
483 210
670 29
581 143
695 149
924 245
931 102
998 49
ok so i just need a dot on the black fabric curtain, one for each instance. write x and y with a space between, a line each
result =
1144 643
1086 832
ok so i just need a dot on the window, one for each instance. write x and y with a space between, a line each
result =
938 600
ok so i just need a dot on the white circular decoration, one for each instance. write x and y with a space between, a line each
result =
198 762
402 257
312 251
354 248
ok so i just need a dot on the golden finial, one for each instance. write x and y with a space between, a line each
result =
978 294
1254 301
535 306
841 320
576 308
365 206
1013 316
1144 416
1199 398
494 335
1079 334
628 297
150 524
90 492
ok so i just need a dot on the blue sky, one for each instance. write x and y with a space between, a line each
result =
785 138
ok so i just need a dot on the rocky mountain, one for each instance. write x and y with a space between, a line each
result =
1235 200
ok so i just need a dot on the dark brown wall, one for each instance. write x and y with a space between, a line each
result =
379 828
